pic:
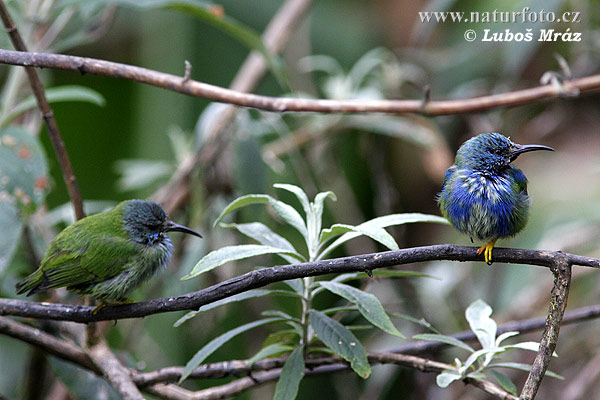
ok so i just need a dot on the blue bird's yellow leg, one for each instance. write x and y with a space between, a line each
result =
486 249
116 303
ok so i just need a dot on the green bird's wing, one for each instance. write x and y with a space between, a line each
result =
102 258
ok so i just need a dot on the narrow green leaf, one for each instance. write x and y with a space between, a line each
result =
383 222
447 377
505 336
56 95
378 234
291 375
385 273
340 340
368 305
268 351
250 294
242 202
297 285
478 316
302 197
531 346
424 323
504 381
219 341
285 211
488 353
431 337
523 367
264 235
231 253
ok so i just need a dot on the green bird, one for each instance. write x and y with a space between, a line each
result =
107 255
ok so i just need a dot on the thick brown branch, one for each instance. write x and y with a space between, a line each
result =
558 305
47 114
282 104
262 277
114 371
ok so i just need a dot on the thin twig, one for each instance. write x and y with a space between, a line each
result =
276 36
47 114
558 304
264 276
282 104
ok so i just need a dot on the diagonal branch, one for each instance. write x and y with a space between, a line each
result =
47 114
262 277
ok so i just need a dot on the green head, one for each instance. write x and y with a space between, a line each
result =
491 152
147 222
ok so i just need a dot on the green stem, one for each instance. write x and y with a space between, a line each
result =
306 306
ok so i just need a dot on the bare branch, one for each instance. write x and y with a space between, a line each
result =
262 277
114 371
47 114
199 89
558 304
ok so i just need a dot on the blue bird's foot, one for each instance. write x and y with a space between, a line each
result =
486 249
116 303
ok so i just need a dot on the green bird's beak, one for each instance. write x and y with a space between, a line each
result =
172 226
524 148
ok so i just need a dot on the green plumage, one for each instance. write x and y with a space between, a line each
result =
107 255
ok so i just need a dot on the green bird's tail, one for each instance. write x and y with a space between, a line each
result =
31 284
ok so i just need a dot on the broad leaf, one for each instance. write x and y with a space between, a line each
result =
23 185
447 377
291 375
231 253
383 222
478 316
341 341
219 341
268 351
250 294
432 337
368 305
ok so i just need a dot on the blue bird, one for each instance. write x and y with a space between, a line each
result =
483 195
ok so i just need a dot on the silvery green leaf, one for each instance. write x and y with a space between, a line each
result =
264 235
224 255
378 234
219 341
531 346
383 222
432 337
340 340
505 336
291 375
419 321
523 367
447 377
478 316
250 294
299 194
368 305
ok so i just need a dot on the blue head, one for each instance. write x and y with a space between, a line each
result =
147 222
491 152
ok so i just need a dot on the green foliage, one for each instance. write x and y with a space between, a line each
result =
23 185
481 363
311 327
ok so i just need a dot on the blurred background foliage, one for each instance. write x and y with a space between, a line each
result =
376 165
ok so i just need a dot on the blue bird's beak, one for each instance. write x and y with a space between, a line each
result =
172 226
524 148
